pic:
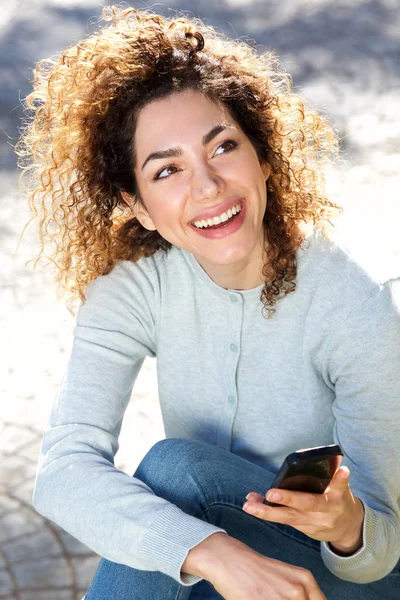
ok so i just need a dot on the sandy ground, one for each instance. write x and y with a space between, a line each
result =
345 60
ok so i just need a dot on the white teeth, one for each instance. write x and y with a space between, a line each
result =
220 219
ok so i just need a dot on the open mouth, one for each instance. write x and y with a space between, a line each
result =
221 221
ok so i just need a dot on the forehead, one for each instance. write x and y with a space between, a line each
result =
180 118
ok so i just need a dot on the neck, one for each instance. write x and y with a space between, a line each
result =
244 275
239 278
248 274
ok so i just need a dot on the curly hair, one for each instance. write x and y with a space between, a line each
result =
77 147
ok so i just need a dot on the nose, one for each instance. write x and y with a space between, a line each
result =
206 184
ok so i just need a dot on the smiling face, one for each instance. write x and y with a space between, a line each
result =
195 166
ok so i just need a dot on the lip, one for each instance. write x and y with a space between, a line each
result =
225 230
217 210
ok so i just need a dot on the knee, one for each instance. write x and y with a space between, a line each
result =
172 467
170 456
169 451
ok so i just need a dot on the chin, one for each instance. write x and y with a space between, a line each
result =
230 256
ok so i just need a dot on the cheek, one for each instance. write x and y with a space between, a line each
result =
164 208
246 169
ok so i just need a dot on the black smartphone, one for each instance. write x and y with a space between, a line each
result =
308 470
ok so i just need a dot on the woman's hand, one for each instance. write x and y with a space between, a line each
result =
239 573
336 516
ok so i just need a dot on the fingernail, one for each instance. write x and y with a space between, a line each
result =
247 497
249 508
274 496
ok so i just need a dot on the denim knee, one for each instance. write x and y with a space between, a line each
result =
169 452
170 469
170 458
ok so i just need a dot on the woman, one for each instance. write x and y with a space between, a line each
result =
179 180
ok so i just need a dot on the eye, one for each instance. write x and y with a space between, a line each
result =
229 145
159 175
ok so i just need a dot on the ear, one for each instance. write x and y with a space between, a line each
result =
266 169
139 212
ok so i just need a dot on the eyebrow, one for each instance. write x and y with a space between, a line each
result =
177 151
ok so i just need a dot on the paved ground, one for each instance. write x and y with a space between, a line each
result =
344 59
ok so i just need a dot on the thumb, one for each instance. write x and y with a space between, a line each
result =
340 479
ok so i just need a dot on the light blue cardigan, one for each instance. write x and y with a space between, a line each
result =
325 368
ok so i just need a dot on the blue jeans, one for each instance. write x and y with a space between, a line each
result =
211 483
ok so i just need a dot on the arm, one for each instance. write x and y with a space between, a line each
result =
363 363
356 519
236 571
77 485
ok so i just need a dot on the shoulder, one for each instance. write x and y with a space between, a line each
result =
346 280
135 286
341 270
144 274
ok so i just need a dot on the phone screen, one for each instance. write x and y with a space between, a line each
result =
311 476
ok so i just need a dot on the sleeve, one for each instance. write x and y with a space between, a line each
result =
77 484
363 363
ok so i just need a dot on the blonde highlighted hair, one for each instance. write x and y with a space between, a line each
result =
77 149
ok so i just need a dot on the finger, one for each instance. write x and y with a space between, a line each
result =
302 501
286 516
317 594
254 497
313 590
